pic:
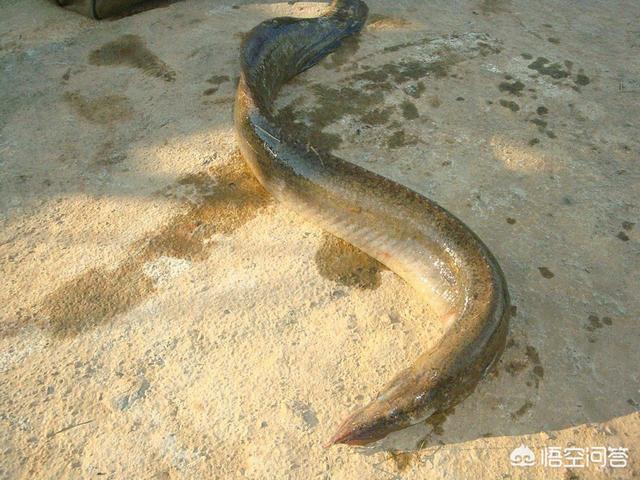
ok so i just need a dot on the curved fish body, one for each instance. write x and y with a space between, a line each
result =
433 251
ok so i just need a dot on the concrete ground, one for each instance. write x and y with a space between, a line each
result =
162 317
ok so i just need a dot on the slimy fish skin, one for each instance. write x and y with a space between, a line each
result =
432 250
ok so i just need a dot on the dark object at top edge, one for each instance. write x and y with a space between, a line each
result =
99 9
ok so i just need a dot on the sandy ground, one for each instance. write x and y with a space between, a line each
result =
162 317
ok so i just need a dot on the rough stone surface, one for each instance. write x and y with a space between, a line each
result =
161 317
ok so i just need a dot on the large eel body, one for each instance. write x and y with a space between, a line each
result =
433 251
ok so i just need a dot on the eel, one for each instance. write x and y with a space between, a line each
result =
446 263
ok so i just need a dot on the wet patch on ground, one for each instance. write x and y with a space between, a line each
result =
560 74
510 104
347 50
437 420
495 6
526 406
399 138
595 323
623 236
435 101
95 297
293 122
514 88
377 21
517 360
343 263
402 460
336 103
409 110
109 154
216 81
219 201
406 70
560 71
545 272
131 51
538 369
366 96
378 116
102 110
514 367
552 69
626 227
